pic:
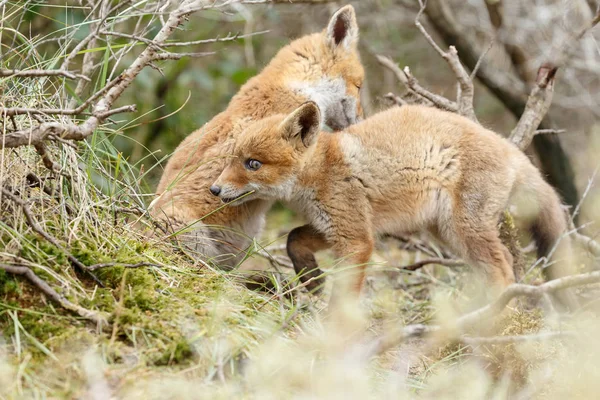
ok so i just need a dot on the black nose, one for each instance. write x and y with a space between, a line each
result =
215 190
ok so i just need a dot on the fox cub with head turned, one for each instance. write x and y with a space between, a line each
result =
322 67
403 170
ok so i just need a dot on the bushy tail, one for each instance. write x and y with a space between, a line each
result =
549 227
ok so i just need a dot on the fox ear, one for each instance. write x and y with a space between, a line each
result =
302 126
342 30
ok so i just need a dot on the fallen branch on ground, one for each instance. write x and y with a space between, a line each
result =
483 314
117 264
99 318
440 261
39 230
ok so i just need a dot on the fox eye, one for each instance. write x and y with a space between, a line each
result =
252 164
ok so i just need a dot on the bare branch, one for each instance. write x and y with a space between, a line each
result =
517 290
477 341
128 108
115 264
99 318
179 56
486 313
399 101
467 91
413 86
149 42
536 108
42 151
227 38
549 131
39 230
440 261
392 66
39 73
590 244
437 100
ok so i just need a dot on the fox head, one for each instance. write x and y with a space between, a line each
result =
325 68
268 156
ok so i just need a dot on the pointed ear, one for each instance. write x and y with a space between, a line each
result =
302 126
342 30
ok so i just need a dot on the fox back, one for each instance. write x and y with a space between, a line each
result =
406 169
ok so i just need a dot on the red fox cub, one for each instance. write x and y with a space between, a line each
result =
403 170
322 67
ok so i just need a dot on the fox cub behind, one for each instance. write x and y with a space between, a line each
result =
403 170
323 67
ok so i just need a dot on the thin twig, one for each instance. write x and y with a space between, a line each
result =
467 91
179 56
440 261
38 229
39 73
477 341
399 101
117 264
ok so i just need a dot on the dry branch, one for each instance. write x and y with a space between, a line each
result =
588 243
99 318
477 341
484 314
397 100
39 230
440 261
414 87
116 264
39 73
101 110
517 290
536 108
465 94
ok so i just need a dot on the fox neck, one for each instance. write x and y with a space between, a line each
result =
316 160
262 97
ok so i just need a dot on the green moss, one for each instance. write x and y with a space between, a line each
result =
40 250
110 276
103 300
176 353
8 284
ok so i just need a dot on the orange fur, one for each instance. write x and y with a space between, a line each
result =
403 170
321 66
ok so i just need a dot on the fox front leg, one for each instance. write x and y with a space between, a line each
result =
302 244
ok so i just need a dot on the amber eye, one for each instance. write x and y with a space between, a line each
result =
252 164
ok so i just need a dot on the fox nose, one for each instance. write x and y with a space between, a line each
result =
215 190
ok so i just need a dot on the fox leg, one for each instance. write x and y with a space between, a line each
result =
356 251
302 243
481 247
